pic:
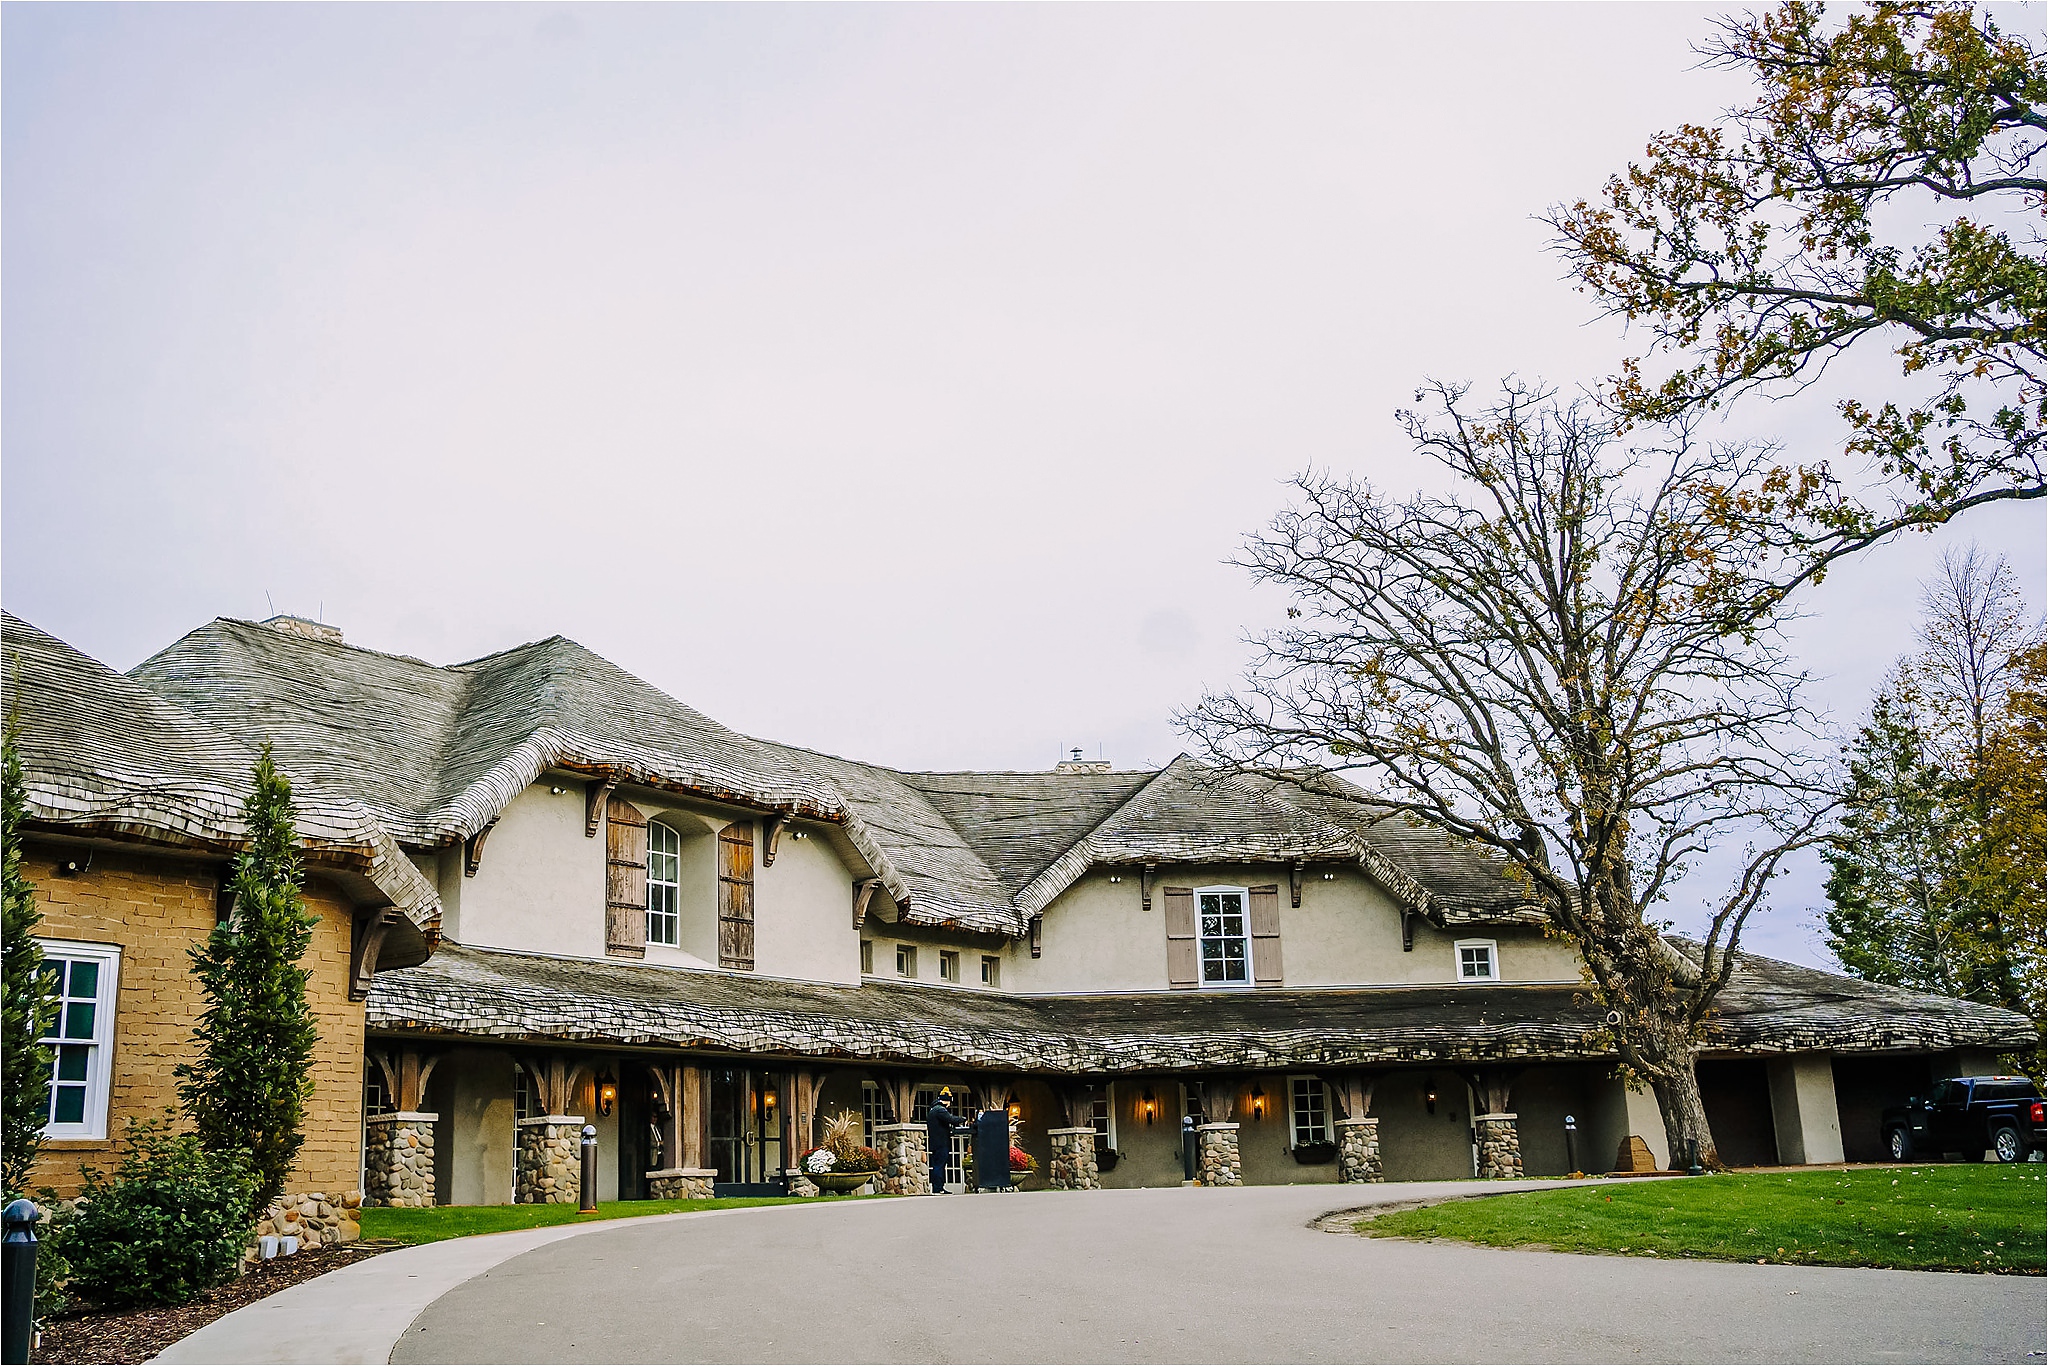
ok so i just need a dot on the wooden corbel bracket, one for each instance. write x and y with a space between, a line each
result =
1294 882
473 850
1037 931
593 810
863 893
1407 930
1145 885
771 835
368 939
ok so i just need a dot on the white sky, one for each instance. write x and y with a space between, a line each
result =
894 381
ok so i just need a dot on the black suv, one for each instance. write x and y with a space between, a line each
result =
1967 1115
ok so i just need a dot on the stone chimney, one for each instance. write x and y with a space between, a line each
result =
1079 765
306 630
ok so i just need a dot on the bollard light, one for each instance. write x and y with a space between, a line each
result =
18 1281
588 1204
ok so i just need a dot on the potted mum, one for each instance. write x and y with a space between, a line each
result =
841 1163
1022 1164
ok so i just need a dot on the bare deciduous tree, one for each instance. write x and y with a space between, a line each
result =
1568 661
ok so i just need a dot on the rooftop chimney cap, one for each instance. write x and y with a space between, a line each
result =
1079 765
304 629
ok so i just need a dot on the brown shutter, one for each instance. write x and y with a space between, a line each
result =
1181 968
625 880
736 895
1265 936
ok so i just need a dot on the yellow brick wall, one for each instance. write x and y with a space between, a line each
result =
156 907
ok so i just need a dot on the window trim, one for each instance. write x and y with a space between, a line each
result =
867 957
1105 1137
1244 912
1492 948
949 966
100 1070
992 971
906 958
674 914
1294 1132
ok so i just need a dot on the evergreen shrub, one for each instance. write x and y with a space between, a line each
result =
171 1221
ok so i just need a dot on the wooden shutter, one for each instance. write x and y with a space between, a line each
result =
736 895
1181 968
625 880
1265 915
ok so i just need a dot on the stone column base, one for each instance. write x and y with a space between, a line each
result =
1358 1150
1500 1147
905 1168
681 1183
398 1159
1216 1161
550 1159
800 1182
1073 1160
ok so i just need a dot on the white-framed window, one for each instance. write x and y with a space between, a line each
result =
377 1097
871 1112
525 1095
664 884
1478 961
949 966
1224 937
1311 1111
991 970
1102 1114
906 960
81 979
867 956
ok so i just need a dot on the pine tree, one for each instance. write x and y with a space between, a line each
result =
247 1090
25 1062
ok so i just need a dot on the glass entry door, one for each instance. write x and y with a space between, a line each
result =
744 1128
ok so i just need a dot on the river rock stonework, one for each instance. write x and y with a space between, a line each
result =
1358 1150
398 1160
905 1168
550 1161
1073 1160
679 1183
1216 1155
800 1184
315 1218
1500 1147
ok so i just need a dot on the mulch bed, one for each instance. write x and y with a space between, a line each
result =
131 1336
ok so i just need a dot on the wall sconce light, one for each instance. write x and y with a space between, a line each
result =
1116 877
1329 877
557 790
799 834
1258 1102
1148 1106
607 1092
1016 1110
1429 1100
768 1100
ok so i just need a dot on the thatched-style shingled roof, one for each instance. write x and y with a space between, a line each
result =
1768 1007
105 757
437 752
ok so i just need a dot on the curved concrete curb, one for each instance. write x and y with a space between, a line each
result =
356 1315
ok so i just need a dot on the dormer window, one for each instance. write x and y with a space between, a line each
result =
1477 961
664 884
1225 936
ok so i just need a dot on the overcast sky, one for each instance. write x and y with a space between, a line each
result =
894 381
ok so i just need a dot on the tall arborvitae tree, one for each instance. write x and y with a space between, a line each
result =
25 1066
247 1090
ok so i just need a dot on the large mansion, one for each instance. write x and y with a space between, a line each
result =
550 895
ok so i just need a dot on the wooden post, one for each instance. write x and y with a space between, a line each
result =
696 1092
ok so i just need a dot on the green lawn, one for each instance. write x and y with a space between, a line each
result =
459 1221
1931 1218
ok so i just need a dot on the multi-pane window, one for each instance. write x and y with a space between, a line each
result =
867 955
949 966
1226 945
664 884
906 960
871 1112
1102 1114
376 1095
1311 1112
525 1096
991 970
79 979
1476 961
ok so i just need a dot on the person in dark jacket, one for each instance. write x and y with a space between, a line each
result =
940 1123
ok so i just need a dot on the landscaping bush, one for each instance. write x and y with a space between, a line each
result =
173 1220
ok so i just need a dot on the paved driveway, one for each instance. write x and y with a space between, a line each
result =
1175 1275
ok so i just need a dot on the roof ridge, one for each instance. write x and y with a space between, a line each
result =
308 640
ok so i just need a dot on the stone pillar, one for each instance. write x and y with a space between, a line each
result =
1500 1147
550 1159
398 1159
1358 1149
680 1183
800 1182
905 1168
1216 1162
1073 1160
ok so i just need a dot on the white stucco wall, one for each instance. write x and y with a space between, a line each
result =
540 886
1097 936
